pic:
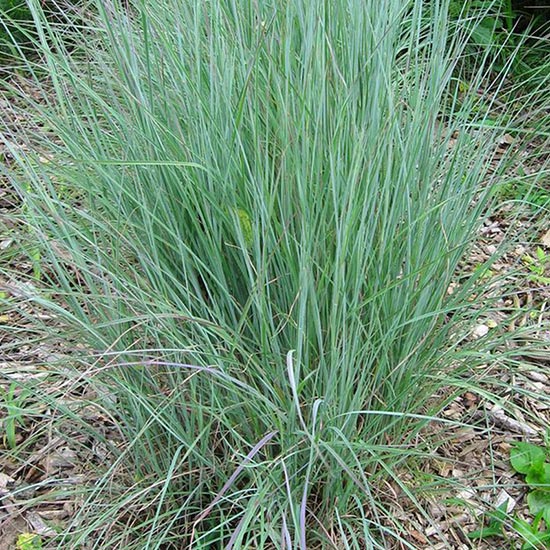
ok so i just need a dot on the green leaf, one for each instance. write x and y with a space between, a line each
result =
539 475
495 526
537 541
539 501
484 34
526 457
494 529
491 24
500 514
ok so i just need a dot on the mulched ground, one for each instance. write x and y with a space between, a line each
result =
52 457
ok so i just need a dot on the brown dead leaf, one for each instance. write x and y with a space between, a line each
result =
470 400
505 139
6 481
418 536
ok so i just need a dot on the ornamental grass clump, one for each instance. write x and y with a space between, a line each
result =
250 214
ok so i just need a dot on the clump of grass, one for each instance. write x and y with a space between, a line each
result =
250 214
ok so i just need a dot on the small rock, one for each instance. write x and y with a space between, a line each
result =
480 331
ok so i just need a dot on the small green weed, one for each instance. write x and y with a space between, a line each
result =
535 198
531 461
14 403
28 541
495 526
538 266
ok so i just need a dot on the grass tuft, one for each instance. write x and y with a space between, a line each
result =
250 215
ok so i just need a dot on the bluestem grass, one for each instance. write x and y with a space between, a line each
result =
251 213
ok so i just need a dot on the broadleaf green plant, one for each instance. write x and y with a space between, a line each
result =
526 457
271 209
531 461
539 266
